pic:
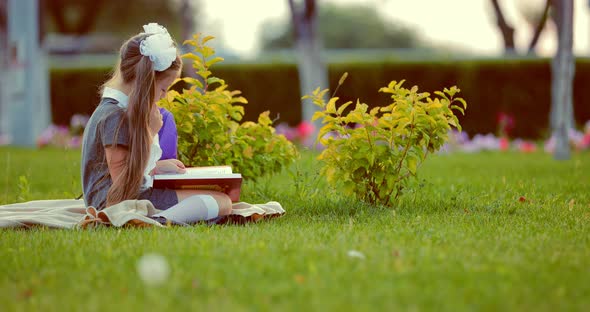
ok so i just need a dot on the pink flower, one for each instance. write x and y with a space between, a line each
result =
585 141
504 144
486 142
550 145
305 129
527 147
471 147
79 121
575 137
47 136
75 142
54 135
505 123
287 131
459 137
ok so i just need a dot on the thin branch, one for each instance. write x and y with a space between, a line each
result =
399 166
540 26
294 18
505 28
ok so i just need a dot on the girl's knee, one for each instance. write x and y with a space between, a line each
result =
225 204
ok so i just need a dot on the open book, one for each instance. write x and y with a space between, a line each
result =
215 178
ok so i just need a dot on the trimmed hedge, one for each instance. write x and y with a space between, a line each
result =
518 87
521 88
75 91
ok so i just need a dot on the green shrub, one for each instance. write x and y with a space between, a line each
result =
376 157
208 119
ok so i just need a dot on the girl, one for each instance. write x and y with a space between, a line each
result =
119 150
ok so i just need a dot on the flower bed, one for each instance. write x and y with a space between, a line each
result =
462 142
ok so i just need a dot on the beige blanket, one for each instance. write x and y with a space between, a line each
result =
72 213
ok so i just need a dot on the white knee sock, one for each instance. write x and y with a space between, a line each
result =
192 209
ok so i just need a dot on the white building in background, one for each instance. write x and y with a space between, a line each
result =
24 79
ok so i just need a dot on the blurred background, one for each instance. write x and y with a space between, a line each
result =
497 51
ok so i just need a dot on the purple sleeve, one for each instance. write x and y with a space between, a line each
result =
168 136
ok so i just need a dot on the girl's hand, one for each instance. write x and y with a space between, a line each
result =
169 166
156 121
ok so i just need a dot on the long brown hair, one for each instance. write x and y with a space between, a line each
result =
137 71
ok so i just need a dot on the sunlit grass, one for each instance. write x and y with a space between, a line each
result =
489 231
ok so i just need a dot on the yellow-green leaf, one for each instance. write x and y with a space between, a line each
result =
374 111
249 152
331 106
214 60
263 118
343 107
317 115
192 81
324 130
458 108
240 99
462 101
192 56
190 42
412 165
207 39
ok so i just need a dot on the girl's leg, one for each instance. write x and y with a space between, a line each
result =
198 205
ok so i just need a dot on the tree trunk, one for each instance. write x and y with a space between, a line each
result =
187 19
188 29
26 106
506 30
563 68
312 70
3 65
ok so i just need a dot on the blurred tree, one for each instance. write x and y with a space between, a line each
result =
3 57
536 17
73 17
187 10
3 26
78 17
3 5
563 68
532 14
312 70
345 27
506 30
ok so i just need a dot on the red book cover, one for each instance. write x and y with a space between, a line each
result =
215 178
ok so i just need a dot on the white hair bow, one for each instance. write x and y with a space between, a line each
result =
158 46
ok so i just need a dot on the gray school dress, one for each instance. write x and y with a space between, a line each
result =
100 133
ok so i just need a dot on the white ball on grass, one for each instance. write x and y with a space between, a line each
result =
153 269
356 254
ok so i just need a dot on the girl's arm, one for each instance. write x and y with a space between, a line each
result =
169 166
116 155
116 160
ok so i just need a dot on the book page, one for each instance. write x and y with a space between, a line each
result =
196 172
208 170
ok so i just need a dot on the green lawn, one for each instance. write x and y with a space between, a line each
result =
460 240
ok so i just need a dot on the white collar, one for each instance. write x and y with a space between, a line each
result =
117 95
